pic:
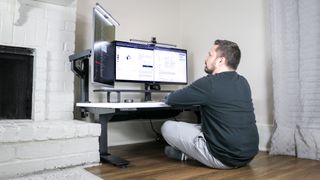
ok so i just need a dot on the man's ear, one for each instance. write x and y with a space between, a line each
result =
222 60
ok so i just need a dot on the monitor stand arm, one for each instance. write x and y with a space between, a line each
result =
148 87
80 66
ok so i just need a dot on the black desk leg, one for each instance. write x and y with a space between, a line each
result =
103 144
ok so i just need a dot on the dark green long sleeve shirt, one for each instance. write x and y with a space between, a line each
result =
227 115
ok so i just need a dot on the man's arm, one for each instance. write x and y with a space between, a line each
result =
194 94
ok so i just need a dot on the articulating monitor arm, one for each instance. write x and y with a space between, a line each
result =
80 66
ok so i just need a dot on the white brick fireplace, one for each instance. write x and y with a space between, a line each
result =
51 138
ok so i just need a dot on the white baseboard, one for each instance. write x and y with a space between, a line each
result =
265 133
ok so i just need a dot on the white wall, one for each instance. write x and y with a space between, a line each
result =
244 22
193 25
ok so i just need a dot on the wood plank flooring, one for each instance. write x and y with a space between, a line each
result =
147 161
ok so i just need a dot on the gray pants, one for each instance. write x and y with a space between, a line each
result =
189 139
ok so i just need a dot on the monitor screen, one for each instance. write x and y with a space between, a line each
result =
149 63
170 65
103 64
134 62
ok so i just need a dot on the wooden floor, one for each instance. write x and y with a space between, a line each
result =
147 161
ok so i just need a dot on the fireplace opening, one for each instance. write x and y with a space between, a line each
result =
16 77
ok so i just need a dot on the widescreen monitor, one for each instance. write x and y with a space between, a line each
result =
148 63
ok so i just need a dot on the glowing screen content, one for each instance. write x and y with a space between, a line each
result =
147 63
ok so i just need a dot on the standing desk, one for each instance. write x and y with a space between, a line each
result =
107 111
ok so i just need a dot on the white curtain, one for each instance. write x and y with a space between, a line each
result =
295 29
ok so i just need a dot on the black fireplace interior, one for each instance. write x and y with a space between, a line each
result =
16 76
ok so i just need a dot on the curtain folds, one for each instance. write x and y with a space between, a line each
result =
295 31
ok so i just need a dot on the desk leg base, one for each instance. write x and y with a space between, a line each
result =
116 161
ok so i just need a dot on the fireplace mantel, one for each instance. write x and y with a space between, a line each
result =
22 6
58 2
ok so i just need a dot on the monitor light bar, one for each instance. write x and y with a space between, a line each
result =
105 15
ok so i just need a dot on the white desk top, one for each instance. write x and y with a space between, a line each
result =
124 105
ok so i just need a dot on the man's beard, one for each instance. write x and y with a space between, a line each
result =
208 71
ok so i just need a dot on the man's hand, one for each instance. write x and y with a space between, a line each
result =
164 99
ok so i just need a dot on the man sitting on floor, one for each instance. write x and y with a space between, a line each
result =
227 136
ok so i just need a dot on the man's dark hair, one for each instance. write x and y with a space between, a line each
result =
230 51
